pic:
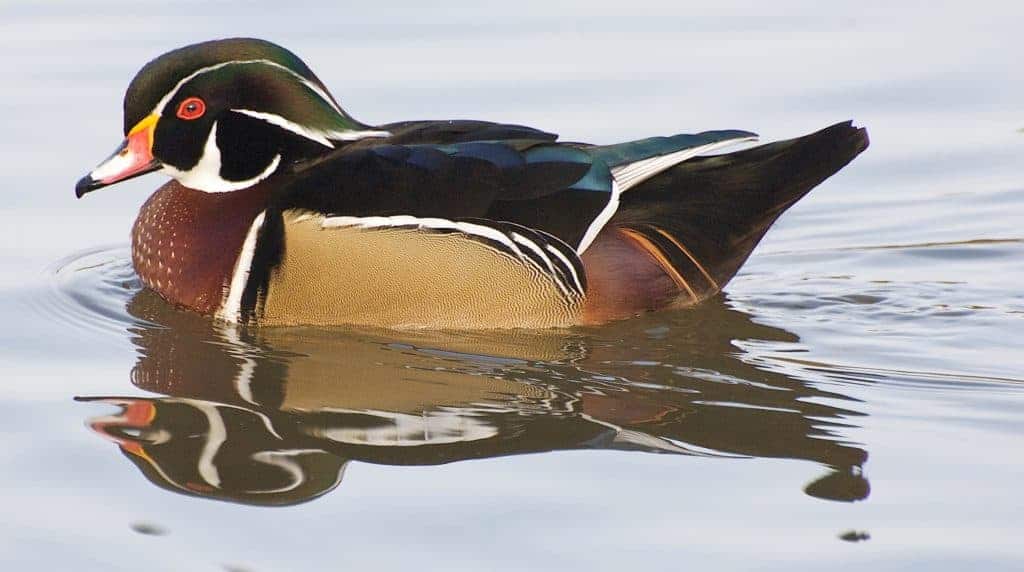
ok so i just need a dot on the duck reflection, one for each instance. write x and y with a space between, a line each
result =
272 416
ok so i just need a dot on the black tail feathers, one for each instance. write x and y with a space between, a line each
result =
704 216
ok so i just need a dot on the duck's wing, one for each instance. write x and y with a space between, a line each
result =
452 181
614 169
567 190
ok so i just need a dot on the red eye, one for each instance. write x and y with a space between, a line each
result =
191 108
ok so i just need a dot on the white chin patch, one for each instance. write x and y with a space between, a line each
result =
205 176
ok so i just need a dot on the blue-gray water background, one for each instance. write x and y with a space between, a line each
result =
854 401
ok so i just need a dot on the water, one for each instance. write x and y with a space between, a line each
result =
853 398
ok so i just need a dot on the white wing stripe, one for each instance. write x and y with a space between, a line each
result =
318 136
632 174
158 109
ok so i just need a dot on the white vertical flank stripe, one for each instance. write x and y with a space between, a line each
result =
231 308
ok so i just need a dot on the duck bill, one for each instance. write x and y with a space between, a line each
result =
133 158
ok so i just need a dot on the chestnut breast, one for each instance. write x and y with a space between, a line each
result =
185 242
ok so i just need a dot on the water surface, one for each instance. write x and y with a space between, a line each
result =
852 400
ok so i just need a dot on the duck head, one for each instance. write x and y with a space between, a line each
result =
223 116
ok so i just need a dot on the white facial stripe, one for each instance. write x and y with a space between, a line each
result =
287 125
321 136
205 176
231 310
159 108
354 135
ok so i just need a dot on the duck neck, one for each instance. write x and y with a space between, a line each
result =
185 242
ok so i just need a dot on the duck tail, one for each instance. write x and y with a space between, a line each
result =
702 218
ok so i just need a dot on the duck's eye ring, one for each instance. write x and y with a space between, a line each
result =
191 108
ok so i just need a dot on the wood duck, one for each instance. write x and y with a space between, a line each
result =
284 210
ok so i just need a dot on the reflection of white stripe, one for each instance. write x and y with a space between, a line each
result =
230 310
216 437
394 429
285 461
241 350
321 136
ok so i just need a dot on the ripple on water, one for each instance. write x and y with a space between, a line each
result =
873 317
669 383
765 372
91 290
914 314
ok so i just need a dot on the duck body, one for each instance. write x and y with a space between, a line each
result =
285 211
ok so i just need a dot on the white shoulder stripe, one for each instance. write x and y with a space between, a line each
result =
231 309
602 218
